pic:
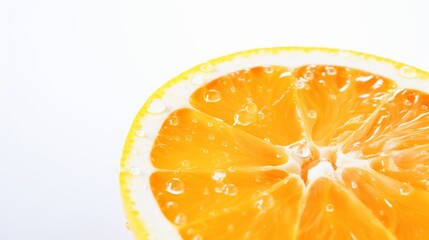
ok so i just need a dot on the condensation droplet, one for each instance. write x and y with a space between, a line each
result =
173 121
230 189
156 106
184 163
141 133
265 202
312 114
251 107
322 82
206 67
218 175
205 150
212 96
381 212
175 186
300 84
211 137
206 191
135 171
330 207
405 190
127 225
231 169
190 231
302 150
424 107
171 205
197 237
389 204
233 89
180 219
243 118
308 75
268 69
354 185
267 140
209 124
331 70
333 96
407 72
285 74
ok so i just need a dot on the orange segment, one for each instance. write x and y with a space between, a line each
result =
193 141
332 212
400 207
401 123
258 100
335 101
266 197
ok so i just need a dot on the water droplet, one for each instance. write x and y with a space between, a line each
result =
407 102
407 72
197 80
308 75
378 84
268 69
388 203
190 231
251 107
353 236
205 150
135 171
197 237
173 121
267 140
218 175
331 70
345 86
354 185
265 203
243 118
381 213
231 169
285 74
206 67
300 84
209 124
184 163
302 150
405 190
322 82
156 106
180 219
141 133
206 191
364 78
312 114
424 107
330 207
127 225
212 96
175 186
171 205
211 137
333 96
230 189
233 89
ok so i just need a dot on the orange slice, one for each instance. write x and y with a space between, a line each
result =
282 143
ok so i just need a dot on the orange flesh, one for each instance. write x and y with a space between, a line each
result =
223 168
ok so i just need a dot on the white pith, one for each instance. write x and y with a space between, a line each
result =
138 162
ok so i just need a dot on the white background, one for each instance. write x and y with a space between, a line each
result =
73 74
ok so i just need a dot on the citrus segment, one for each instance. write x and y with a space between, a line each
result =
332 212
217 198
401 208
401 123
335 101
192 141
258 100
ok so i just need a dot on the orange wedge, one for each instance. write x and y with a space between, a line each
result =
282 143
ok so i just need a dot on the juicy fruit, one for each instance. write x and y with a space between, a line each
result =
272 152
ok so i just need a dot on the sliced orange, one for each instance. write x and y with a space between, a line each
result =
282 143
